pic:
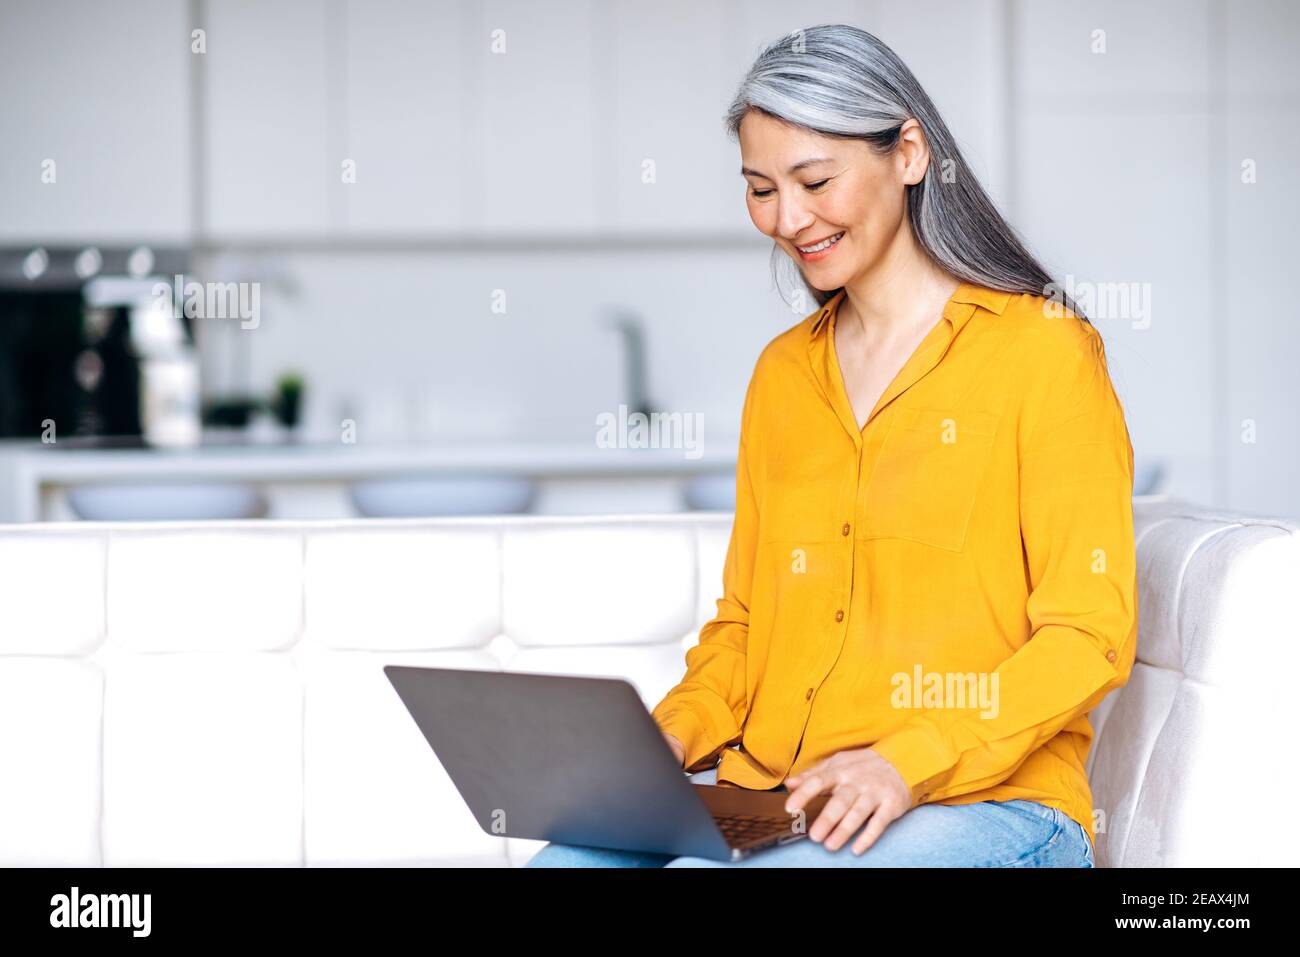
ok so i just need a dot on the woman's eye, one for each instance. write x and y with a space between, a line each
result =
761 193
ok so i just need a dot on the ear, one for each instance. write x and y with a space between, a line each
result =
912 152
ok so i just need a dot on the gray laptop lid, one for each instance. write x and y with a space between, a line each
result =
561 758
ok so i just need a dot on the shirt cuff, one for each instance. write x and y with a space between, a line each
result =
920 757
685 725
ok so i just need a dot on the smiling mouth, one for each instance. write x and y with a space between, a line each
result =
826 243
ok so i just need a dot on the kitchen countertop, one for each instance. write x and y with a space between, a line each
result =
27 466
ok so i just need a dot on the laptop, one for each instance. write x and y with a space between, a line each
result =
579 760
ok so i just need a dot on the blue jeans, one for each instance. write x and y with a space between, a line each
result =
983 834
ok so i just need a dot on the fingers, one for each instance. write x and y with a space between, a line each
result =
840 804
858 794
812 785
875 827
844 813
861 808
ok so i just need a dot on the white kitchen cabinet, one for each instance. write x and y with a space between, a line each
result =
664 162
1255 335
406 111
1107 51
447 137
271 72
533 123
101 92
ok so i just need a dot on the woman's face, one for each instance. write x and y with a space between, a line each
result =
804 188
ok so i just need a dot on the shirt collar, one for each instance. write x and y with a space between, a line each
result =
956 310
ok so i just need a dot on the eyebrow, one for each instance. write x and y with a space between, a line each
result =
746 171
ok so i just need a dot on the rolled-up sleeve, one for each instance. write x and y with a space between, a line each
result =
1076 518
706 710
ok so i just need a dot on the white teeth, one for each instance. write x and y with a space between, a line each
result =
826 244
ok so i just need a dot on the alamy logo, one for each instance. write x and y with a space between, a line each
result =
946 689
101 910
210 300
658 430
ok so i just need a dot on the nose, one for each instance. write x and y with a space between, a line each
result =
792 217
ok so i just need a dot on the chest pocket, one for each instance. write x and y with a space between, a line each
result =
928 474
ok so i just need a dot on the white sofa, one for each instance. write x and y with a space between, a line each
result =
212 693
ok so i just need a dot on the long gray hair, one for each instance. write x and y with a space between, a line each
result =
841 81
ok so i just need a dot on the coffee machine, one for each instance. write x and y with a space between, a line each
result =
92 352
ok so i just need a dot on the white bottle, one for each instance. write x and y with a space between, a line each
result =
169 378
169 400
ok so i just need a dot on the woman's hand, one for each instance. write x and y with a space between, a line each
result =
863 785
679 749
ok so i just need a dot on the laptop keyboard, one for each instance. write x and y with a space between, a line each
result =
743 828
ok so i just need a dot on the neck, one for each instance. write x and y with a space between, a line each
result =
902 292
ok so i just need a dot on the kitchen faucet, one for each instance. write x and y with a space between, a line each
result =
632 333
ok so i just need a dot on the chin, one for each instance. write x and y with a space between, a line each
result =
825 282
820 285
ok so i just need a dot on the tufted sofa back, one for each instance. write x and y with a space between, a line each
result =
212 693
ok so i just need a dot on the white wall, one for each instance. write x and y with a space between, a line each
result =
478 172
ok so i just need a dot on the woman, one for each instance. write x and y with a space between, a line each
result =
931 576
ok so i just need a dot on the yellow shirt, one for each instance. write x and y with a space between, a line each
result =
954 586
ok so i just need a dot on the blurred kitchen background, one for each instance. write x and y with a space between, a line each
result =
469 228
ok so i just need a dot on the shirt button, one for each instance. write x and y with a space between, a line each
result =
808 696
925 795
1110 655
845 529
839 615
